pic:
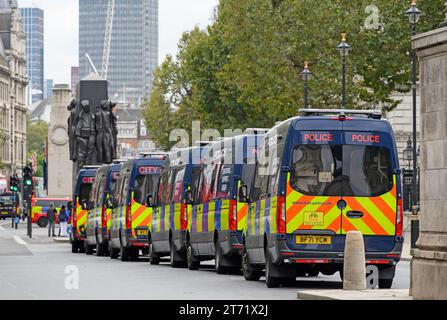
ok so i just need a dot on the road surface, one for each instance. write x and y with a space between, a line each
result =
39 268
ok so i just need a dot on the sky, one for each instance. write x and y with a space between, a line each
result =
61 30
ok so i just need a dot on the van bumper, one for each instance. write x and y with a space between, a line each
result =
231 242
280 252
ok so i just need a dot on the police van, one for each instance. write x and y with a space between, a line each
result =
218 218
9 205
318 177
100 209
170 219
81 197
131 215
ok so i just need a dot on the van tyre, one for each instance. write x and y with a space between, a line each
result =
100 250
385 283
75 247
192 261
124 253
88 249
220 269
114 253
81 245
175 263
42 222
270 281
134 254
248 270
154 259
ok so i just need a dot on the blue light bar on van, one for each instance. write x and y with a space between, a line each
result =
153 155
374 114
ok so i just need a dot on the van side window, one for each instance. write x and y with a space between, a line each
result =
178 186
248 175
138 189
125 191
195 182
161 188
224 181
101 190
208 182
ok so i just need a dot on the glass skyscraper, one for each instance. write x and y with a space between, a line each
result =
33 25
134 48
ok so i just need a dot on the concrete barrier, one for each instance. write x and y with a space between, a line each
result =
354 273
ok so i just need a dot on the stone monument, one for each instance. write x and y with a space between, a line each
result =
429 263
59 164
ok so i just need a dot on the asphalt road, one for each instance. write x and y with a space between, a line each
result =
38 268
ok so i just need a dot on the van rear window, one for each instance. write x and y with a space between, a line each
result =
341 170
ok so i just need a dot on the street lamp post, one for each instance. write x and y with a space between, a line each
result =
306 74
344 49
413 15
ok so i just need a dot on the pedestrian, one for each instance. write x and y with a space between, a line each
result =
63 219
51 217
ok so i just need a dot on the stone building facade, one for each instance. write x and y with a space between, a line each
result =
13 83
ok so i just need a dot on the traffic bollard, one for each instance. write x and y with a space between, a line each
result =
354 270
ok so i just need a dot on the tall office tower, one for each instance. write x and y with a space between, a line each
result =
134 45
48 89
74 80
33 25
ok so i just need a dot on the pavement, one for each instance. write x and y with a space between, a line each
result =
403 294
42 268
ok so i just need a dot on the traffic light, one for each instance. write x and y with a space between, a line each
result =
27 176
13 184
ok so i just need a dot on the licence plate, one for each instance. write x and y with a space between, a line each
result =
143 232
327 240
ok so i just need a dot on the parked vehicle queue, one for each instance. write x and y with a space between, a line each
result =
316 178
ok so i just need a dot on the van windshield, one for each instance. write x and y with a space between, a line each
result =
341 170
6 200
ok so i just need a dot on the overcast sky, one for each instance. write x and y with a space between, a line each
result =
61 29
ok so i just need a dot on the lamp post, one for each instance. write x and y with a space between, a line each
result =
306 74
344 49
413 15
408 153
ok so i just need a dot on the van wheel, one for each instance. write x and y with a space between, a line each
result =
88 249
385 283
100 250
75 247
134 254
153 258
270 281
249 272
220 269
174 263
193 262
124 253
42 222
81 245
313 272
114 253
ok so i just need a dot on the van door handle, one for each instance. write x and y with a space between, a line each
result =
355 214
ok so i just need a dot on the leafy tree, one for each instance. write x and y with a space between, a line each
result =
37 134
243 71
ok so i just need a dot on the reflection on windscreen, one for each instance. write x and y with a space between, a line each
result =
335 170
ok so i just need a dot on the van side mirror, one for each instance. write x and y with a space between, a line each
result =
189 198
243 194
150 201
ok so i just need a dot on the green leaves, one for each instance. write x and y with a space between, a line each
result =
243 71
